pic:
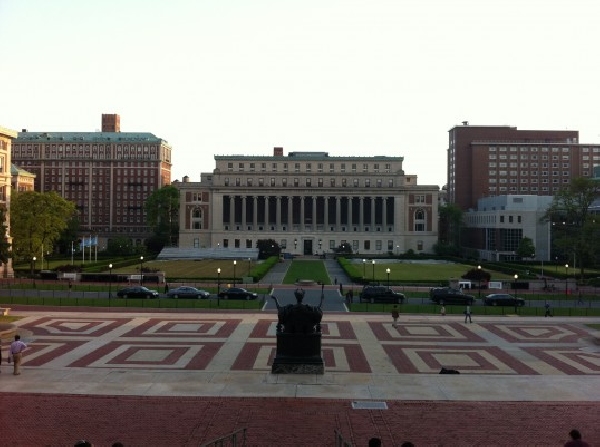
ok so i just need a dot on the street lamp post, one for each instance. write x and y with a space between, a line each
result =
387 270
48 259
516 304
364 268
141 269
234 263
248 266
373 262
566 280
109 281
295 245
479 281
33 270
218 286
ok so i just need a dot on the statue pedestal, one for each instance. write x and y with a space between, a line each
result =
298 353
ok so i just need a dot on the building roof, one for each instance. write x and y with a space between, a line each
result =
92 137
308 156
15 170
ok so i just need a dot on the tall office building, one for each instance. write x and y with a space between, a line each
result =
6 138
488 161
109 174
309 202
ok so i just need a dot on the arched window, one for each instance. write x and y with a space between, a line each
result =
419 220
196 219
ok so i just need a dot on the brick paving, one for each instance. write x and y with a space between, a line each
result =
60 420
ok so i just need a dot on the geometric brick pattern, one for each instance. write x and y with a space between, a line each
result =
194 343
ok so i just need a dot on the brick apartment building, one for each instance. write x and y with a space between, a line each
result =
488 161
108 174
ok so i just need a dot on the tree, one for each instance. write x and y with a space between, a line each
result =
451 217
575 231
343 249
526 249
162 209
37 220
479 275
69 236
120 246
267 248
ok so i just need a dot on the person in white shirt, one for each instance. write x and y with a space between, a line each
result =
16 351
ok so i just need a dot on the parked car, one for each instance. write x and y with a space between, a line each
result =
503 299
449 295
380 294
187 292
237 293
137 292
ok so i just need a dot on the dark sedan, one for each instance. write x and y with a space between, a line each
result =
137 292
237 293
503 299
187 292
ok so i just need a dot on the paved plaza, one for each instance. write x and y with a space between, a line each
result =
164 378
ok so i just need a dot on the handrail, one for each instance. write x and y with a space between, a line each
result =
231 439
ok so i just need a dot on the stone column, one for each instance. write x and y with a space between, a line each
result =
290 201
373 213
314 213
362 214
383 213
231 212
244 213
254 213
338 213
302 213
266 200
350 212
326 213
278 214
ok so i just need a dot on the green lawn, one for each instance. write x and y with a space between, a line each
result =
302 269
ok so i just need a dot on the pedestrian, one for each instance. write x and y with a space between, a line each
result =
547 314
468 314
443 310
395 315
16 351
335 280
166 287
341 289
70 285
580 298
576 440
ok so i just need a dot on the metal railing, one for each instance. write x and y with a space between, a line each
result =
234 439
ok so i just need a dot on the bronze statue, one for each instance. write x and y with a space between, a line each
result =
298 337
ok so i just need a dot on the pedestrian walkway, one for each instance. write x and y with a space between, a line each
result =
211 373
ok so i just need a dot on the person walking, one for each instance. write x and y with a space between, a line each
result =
468 314
547 314
395 315
16 351
443 310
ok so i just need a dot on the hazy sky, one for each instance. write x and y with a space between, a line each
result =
369 77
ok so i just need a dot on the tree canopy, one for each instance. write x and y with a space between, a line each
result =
162 209
526 248
37 220
575 231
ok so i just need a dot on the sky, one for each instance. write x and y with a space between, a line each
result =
347 77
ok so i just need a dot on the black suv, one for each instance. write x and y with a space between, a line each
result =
448 295
380 294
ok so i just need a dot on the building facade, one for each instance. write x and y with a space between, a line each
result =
6 139
487 161
21 180
108 174
309 203
498 224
